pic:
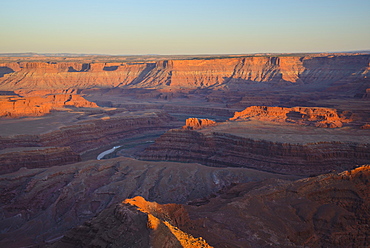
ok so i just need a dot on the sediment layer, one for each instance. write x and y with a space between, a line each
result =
12 160
318 117
91 134
221 149
192 74
40 105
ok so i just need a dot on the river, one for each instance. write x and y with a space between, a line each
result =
101 155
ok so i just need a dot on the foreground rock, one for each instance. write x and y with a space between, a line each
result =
39 205
135 223
326 211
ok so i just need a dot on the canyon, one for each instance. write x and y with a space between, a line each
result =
207 151
330 210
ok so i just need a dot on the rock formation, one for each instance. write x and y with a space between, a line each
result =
222 149
39 205
195 123
150 225
91 134
13 159
241 194
330 210
233 73
318 117
40 105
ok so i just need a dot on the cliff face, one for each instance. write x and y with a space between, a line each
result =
229 72
326 211
40 105
319 117
221 149
135 223
39 205
195 123
42 75
12 160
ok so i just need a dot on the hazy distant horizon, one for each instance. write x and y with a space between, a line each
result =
10 54
202 27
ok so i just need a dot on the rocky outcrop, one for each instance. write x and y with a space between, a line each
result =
195 123
39 205
40 105
86 135
325 211
230 73
315 116
330 210
13 159
135 223
221 149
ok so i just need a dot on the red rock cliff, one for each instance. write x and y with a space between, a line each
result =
228 72
40 105
319 117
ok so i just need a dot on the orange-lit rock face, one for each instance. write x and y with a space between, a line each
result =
195 123
185 74
319 117
40 105
166 220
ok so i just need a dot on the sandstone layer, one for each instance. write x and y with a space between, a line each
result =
233 73
135 223
40 105
318 117
330 210
222 149
91 134
195 123
12 160
39 205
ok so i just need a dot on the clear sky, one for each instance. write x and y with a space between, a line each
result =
183 26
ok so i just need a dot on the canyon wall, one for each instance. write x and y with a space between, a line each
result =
231 73
12 160
40 105
91 134
318 117
221 149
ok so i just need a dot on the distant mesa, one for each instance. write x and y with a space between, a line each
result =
318 117
233 73
13 107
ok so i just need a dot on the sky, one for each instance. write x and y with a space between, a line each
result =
121 27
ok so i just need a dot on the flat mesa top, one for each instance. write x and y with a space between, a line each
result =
289 133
